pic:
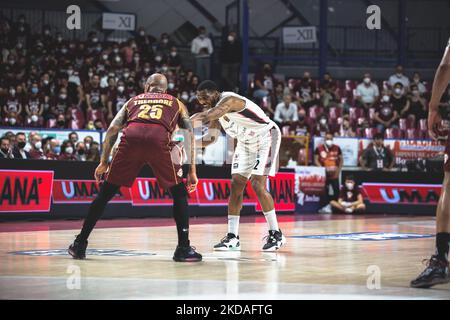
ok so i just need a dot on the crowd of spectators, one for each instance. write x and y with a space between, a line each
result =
48 81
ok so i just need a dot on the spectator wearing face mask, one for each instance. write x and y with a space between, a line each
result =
88 142
416 81
398 76
67 152
417 105
19 151
93 152
301 127
53 149
60 122
174 60
329 156
117 99
73 137
94 95
5 149
345 129
305 90
377 157
399 101
21 29
13 102
12 119
80 151
367 93
329 95
202 50
385 115
322 126
286 112
34 107
350 198
98 125
264 82
164 44
59 104
36 152
231 59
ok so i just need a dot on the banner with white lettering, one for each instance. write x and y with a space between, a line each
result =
299 35
118 21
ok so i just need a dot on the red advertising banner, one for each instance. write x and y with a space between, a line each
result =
25 191
397 193
83 191
282 189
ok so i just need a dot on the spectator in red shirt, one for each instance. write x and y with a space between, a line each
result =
385 115
67 151
329 156
34 107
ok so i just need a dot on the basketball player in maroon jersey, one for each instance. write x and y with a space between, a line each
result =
436 271
148 121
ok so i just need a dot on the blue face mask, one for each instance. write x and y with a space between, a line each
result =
34 90
57 149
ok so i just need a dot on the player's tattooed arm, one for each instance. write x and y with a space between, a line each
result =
112 133
230 104
184 122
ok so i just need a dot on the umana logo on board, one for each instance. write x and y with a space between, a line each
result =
397 193
25 191
82 191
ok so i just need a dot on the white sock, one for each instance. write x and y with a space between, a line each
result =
233 224
271 219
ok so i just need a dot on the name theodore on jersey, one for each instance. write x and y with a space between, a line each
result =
226 310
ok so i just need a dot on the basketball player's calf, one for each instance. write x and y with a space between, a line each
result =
275 239
436 271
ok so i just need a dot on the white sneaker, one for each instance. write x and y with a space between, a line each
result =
326 209
228 243
349 210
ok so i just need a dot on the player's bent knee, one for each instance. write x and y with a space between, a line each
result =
259 187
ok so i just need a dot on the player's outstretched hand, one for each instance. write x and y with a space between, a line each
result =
100 170
192 182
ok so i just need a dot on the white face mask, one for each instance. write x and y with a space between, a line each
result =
185 97
173 53
398 91
34 118
171 85
87 145
105 57
385 98
329 143
69 150
120 88
12 121
349 185
38 145
230 38
323 121
366 80
158 58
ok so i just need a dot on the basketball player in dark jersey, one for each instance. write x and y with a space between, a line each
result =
436 271
148 121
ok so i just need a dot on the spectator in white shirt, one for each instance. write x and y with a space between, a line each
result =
367 92
399 77
286 112
202 49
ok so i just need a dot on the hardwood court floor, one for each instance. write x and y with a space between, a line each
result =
132 259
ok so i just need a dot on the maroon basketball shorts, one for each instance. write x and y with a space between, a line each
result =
142 144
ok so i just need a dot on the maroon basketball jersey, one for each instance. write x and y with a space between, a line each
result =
157 108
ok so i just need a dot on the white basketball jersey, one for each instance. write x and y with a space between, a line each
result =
246 124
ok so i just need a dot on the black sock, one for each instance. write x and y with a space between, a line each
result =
442 245
180 213
106 193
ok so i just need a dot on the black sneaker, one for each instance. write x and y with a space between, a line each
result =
436 272
275 240
229 242
186 254
78 249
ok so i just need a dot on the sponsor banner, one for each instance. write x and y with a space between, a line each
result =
309 186
299 35
25 191
397 193
83 191
147 192
349 148
404 150
118 21
367 236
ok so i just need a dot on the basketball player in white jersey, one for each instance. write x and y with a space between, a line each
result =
255 156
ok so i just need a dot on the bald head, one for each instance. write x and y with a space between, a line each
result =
157 82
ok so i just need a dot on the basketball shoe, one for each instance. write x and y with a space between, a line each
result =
229 242
186 254
436 272
274 241
78 249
